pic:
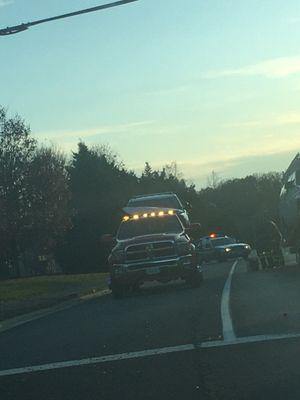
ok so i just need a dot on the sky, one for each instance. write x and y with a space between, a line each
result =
213 85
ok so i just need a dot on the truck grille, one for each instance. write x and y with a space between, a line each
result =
150 251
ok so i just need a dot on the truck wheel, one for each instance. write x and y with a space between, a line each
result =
195 279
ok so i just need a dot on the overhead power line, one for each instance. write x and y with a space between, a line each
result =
23 27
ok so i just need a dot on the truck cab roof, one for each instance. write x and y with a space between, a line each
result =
166 200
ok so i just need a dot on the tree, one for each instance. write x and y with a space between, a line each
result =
34 195
100 187
17 149
49 217
236 206
171 171
147 173
213 181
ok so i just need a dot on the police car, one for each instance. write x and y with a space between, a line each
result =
221 248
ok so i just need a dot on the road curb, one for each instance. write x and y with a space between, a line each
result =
11 323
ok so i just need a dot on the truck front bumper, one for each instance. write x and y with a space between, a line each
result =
158 270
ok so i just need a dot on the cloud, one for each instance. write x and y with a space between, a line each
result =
4 3
171 90
87 133
239 166
274 68
283 119
228 154
67 139
245 155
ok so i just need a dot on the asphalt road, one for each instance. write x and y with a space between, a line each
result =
236 337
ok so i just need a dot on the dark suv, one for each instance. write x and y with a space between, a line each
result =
152 246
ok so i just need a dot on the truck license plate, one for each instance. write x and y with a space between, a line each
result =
153 271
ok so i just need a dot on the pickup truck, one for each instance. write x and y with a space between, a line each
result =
153 245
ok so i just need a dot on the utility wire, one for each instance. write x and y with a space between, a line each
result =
23 27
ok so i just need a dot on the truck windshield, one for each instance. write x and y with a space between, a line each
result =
163 202
149 226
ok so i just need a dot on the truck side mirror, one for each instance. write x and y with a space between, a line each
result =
188 206
194 230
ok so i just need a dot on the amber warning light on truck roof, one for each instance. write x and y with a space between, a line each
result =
146 215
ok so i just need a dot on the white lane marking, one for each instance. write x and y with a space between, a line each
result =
248 339
146 353
98 360
228 331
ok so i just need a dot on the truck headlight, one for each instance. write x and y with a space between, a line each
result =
227 250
